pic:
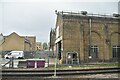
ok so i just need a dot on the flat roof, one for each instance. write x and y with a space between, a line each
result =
74 14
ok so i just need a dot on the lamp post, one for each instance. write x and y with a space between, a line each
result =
1 42
55 63
55 67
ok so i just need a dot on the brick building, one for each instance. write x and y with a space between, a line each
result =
16 42
84 37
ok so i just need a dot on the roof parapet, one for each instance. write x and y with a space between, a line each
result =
85 13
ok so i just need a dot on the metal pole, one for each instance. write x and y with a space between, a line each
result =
11 64
48 57
55 67
55 61
90 23
90 36
90 29
1 39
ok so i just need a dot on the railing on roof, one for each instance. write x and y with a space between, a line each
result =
84 13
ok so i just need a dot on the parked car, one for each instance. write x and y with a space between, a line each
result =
15 54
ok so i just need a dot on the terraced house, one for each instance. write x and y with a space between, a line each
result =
83 37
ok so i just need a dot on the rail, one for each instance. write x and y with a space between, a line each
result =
64 72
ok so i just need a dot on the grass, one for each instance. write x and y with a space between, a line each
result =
86 65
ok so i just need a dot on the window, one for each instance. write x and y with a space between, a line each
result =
115 51
94 52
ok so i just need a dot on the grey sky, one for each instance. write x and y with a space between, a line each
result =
35 17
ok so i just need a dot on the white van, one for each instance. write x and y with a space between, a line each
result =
15 54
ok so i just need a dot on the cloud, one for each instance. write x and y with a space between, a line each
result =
59 0
32 17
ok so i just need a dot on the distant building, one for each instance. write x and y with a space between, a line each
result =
17 42
39 45
84 37
45 46
52 39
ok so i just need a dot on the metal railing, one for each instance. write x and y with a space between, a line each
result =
84 13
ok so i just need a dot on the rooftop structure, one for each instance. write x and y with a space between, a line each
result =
85 13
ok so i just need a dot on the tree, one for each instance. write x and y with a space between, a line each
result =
45 46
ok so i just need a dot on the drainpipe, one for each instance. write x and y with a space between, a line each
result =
90 24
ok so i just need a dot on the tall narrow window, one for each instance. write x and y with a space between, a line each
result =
94 51
115 51
59 50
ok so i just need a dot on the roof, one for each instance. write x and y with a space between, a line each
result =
29 36
85 14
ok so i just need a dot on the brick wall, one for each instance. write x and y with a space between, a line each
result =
77 39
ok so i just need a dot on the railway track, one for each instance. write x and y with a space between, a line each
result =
62 72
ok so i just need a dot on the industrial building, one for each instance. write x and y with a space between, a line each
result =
83 37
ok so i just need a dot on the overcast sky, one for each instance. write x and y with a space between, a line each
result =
37 17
